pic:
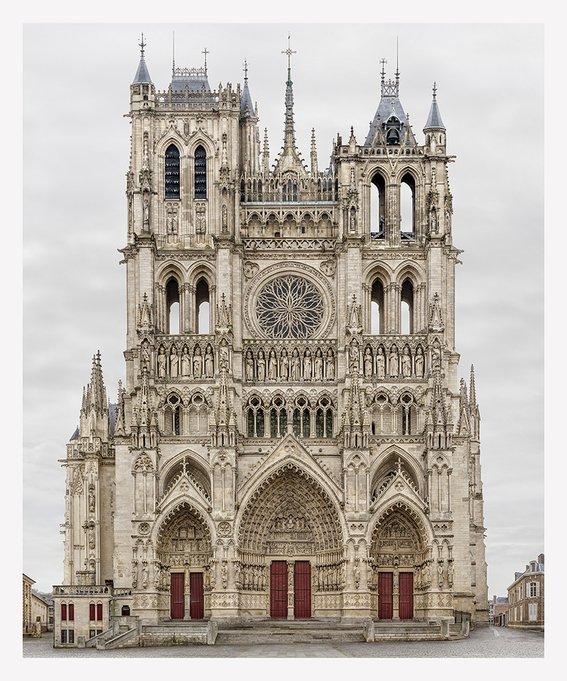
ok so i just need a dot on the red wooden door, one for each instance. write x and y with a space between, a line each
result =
385 597
278 589
406 595
302 589
177 595
197 600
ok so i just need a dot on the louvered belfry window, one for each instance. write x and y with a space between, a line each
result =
200 173
172 172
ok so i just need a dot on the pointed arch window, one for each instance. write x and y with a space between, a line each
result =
407 307
172 306
407 207
172 172
200 172
377 308
202 304
377 207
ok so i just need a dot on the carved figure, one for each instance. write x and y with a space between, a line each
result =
273 366
162 362
440 575
393 363
330 365
406 363
185 362
354 357
173 363
318 365
419 363
197 363
295 366
307 365
91 498
146 212
249 366
284 365
209 363
368 361
223 355
261 366
380 363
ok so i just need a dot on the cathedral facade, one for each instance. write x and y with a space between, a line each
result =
292 440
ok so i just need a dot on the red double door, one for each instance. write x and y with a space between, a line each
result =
386 597
197 597
301 589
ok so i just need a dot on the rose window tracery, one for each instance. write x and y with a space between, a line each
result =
289 307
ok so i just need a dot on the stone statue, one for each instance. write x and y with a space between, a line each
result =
419 363
272 366
223 352
354 357
185 362
209 363
197 363
173 363
393 363
295 366
162 362
318 373
249 366
307 365
261 365
406 363
284 365
380 363
91 498
330 365
368 361
146 212
440 574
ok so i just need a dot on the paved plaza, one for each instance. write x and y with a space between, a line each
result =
491 642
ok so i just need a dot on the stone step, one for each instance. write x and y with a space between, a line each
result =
259 636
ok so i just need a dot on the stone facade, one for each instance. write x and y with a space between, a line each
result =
292 436
526 597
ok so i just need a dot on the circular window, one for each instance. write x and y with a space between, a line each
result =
289 307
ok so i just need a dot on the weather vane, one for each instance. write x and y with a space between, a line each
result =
142 45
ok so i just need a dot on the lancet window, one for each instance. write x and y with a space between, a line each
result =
172 306
407 207
377 207
200 173
172 184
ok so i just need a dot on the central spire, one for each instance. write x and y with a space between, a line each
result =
289 135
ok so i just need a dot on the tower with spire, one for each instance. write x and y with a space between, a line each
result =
291 438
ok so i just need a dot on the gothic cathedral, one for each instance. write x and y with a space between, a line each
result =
291 440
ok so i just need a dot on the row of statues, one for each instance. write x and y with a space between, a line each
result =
285 367
194 365
392 364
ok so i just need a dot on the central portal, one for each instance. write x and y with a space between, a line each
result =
279 581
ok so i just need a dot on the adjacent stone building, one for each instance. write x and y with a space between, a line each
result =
292 439
526 596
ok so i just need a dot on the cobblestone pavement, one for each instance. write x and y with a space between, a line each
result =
491 642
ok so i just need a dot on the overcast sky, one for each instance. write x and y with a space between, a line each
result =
76 150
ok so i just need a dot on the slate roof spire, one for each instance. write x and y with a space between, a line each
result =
434 118
389 105
142 74
246 99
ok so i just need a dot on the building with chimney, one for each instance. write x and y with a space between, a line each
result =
526 596
292 439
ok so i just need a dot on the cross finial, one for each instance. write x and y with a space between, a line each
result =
205 52
434 90
245 70
289 51
383 62
142 44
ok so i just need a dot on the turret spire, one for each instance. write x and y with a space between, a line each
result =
434 118
142 74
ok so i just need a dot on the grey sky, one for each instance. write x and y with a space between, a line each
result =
76 149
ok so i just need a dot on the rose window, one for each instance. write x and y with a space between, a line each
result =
289 307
